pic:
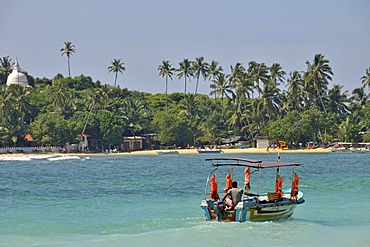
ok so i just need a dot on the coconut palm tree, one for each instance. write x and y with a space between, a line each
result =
5 68
12 127
258 71
190 106
95 99
240 118
116 66
68 50
295 87
184 71
165 70
317 77
135 113
6 65
357 105
359 98
271 100
366 79
338 100
199 67
20 97
221 87
61 97
214 70
237 71
277 74
5 99
245 85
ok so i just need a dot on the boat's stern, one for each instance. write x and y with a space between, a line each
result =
205 205
300 198
215 211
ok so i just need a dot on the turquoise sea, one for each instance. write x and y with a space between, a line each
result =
154 200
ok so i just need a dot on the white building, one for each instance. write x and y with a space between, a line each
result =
261 141
132 143
17 77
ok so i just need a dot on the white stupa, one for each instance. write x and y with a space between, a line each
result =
17 77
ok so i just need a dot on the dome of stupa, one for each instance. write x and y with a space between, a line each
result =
17 77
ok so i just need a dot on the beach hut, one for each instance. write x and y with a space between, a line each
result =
132 143
261 141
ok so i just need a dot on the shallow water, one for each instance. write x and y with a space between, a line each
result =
155 201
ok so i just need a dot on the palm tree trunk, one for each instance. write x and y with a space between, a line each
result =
69 68
222 105
166 91
322 103
115 79
87 120
196 86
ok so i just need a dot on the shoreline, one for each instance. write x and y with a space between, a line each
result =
180 152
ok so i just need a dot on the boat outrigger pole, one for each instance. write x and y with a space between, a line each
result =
209 177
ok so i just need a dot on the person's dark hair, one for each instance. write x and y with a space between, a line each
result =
235 184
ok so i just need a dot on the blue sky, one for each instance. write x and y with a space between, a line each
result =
144 32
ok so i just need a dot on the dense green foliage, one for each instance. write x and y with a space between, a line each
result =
251 101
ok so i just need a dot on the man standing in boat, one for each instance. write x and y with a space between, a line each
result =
233 196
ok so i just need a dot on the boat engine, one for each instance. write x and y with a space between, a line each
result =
219 209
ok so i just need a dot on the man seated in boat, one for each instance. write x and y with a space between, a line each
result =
232 197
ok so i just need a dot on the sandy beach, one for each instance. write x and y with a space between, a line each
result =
180 151
239 151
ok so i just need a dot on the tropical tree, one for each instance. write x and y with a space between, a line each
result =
358 98
68 50
366 79
338 100
357 106
258 73
295 86
61 96
54 130
276 74
110 126
190 106
5 68
4 110
184 71
237 71
172 128
214 70
116 66
80 82
190 109
165 70
244 87
221 87
6 65
12 127
364 122
317 77
95 99
270 100
19 96
348 131
287 128
198 68
236 122
136 114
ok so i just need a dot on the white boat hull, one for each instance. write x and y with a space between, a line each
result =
251 210
209 151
